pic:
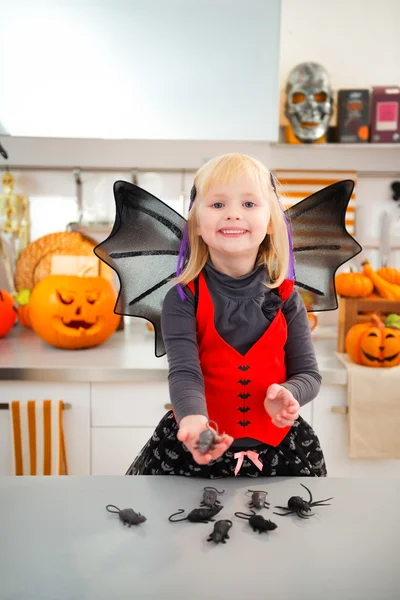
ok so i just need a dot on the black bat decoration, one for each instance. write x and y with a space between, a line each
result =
143 248
321 243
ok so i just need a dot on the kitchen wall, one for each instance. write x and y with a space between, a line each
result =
358 44
143 70
357 41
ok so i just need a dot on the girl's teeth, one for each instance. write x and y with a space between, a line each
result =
233 231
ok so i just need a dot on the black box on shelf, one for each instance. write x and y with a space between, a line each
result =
353 119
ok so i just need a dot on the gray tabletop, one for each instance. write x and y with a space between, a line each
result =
58 542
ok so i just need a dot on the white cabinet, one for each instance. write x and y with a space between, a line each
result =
109 423
76 421
332 431
124 416
115 448
5 439
129 404
307 413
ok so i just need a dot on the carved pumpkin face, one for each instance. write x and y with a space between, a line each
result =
373 345
68 311
8 312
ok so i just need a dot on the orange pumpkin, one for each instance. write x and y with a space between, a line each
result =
68 311
373 345
22 300
23 316
390 274
313 320
8 312
353 285
308 299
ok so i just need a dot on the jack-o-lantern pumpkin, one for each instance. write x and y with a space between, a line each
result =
72 312
373 345
8 312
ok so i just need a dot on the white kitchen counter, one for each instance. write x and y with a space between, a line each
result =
127 356
61 543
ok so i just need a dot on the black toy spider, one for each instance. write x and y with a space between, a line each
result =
298 505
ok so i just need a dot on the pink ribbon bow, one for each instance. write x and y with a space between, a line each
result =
253 456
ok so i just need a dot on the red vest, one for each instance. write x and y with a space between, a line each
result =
236 384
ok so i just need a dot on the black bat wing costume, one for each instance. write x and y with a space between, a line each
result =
143 249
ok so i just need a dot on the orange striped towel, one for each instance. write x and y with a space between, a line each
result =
38 438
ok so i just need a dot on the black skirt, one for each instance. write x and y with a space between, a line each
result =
299 454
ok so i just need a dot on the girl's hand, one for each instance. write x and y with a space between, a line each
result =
190 428
281 406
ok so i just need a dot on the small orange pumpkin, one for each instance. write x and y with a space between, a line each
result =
72 312
8 312
308 299
313 320
390 274
22 300
373 345
353 285
23 316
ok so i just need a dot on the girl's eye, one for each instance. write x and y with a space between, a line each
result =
217 204
249 204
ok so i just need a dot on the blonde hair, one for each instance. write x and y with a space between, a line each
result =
274 251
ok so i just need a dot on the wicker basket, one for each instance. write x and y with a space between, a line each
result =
34 263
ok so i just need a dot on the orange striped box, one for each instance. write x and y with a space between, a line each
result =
296 185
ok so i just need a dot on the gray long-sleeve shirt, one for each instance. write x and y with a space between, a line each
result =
243 309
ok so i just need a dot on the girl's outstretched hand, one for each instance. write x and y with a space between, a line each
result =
281 405
190 428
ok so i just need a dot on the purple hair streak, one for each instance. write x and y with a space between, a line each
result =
184 249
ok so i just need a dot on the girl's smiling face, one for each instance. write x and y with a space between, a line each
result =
233 218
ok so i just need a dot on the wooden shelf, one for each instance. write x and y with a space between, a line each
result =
178 155
321 147
366 159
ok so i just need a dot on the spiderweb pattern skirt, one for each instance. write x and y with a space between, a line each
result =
299 454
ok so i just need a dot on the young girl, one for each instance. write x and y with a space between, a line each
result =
237 337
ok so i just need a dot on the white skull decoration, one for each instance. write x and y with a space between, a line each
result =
309 101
